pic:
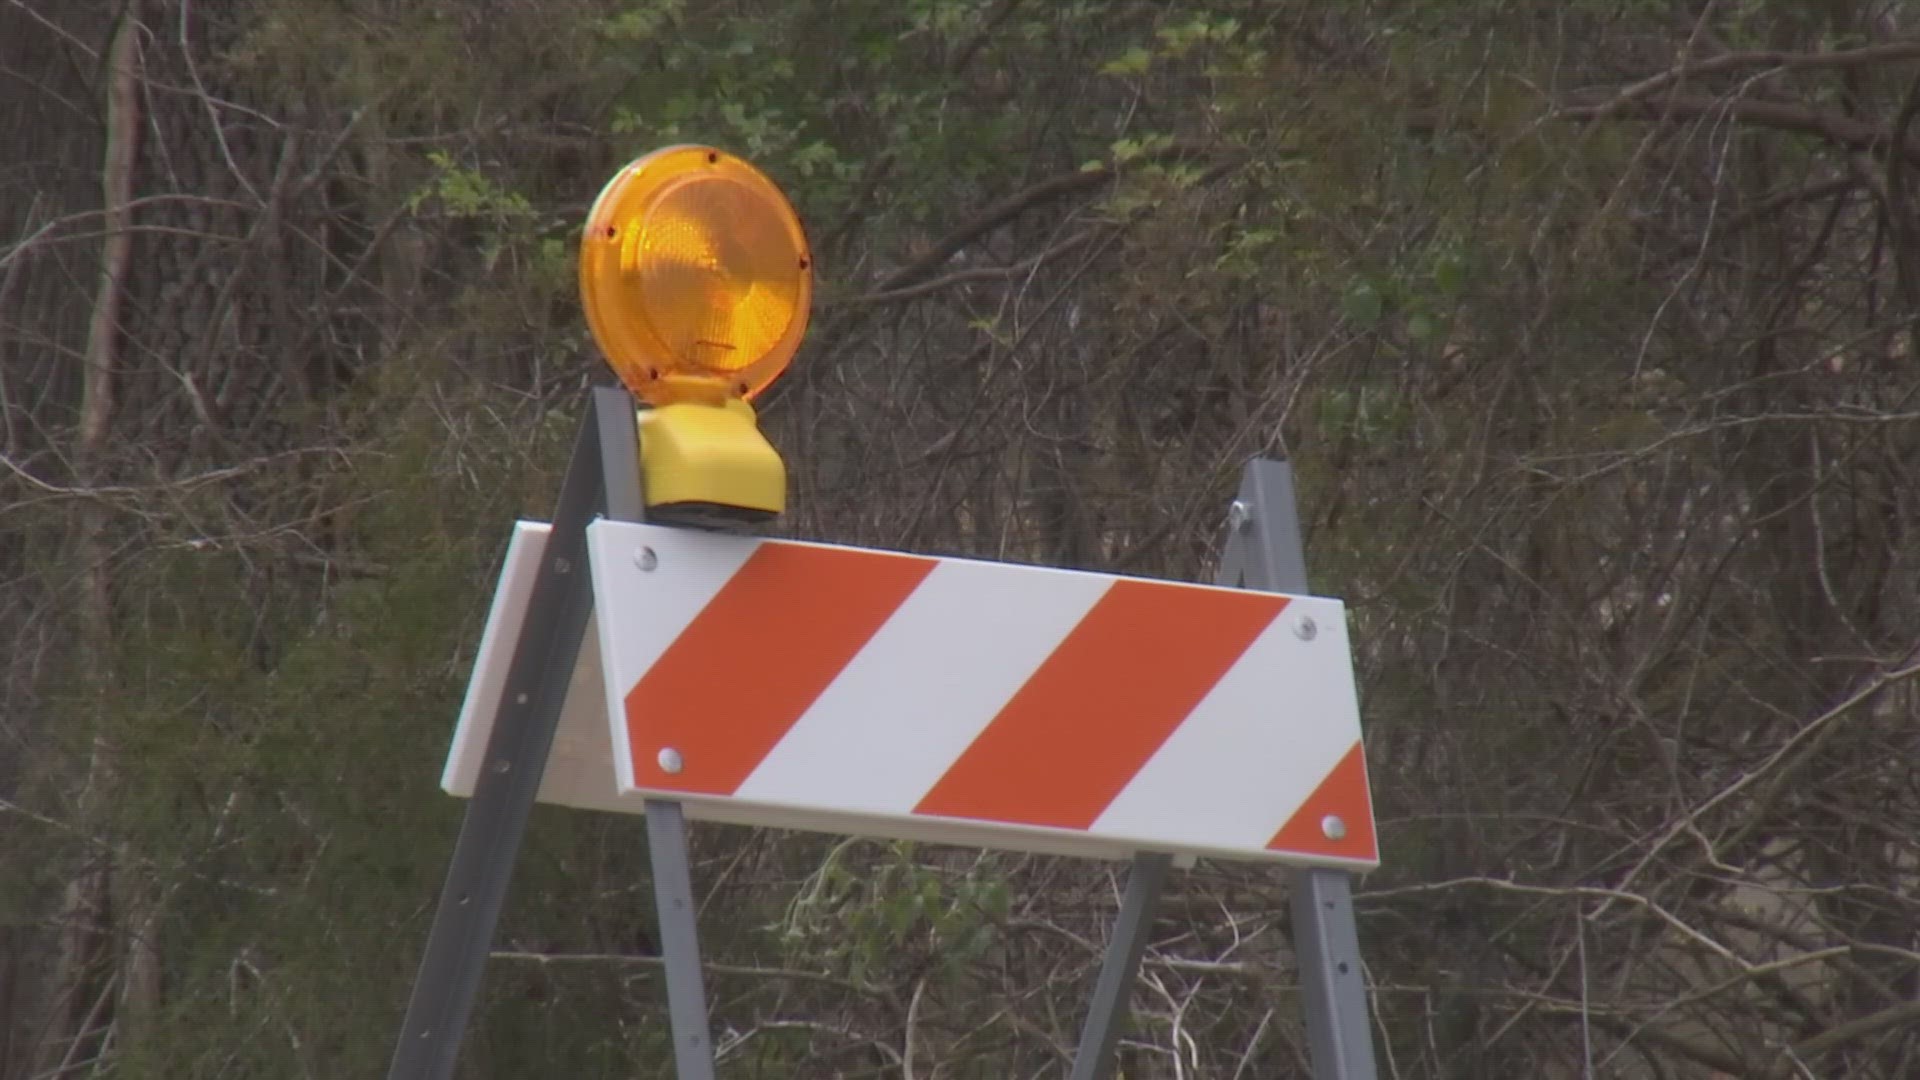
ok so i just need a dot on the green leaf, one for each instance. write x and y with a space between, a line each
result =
1362 305
1134 61
900 913
996 899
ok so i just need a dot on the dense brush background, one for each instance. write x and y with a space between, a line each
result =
1588 324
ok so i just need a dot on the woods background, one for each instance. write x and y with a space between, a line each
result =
1589 326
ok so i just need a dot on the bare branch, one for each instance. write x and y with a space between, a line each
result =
1776 60
978 274
991 218
1785 116
716 968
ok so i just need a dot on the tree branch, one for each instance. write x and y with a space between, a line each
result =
717 969
1774 59
979 273
991 218
1860 1028
1785 116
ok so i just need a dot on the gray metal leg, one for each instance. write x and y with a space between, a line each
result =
619 432
496 817
666 821
1108 1014
1264 551
679 940
1327 945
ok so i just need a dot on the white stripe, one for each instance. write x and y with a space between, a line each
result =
490 663
642 610
1255 748
903 710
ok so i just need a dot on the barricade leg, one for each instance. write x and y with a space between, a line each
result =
1108 1013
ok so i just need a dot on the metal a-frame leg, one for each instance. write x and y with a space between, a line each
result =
1326 946
679 940
603 477
1108 1013
1263 551
667 836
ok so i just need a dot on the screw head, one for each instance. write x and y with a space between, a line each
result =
1239 515
645 559
1333 828
1305 628
669 760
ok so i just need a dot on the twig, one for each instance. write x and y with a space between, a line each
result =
913 1021
1253 1043
981 273
1606 896
717 968
103 491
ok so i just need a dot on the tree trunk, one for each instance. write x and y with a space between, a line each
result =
83 977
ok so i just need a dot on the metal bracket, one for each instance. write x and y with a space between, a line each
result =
603 477
1263 551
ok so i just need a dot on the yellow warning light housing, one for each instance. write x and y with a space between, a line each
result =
697 283
708 465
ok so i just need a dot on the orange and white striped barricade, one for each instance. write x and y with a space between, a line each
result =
869 692
770 682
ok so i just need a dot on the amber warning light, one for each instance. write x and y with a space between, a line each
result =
696 279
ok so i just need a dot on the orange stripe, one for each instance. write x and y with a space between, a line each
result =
1344 794
1100 706
756 658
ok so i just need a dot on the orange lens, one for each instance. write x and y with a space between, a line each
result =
716 272
695 267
